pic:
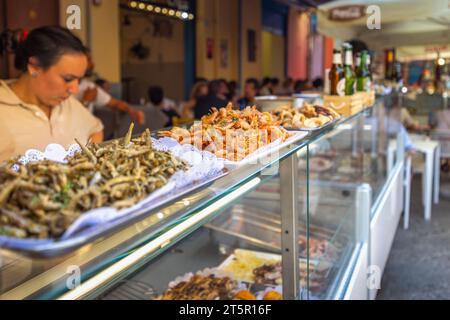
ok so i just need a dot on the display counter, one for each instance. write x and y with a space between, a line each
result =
305 224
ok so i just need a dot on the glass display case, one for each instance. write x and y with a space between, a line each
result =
296 226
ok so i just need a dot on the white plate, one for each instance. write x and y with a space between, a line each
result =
319 266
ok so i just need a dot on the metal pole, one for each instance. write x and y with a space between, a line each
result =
240 45
5 55
289 224
362 220
88 25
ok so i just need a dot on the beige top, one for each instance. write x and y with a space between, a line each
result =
25 126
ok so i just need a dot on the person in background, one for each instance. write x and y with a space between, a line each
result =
213 99
167 106
402 115
199 90
251 90
39 108
200 79
301 86
234 95
288 87
318 84
104 84
266 87
224 91
91 96
276 89
440 121
298 86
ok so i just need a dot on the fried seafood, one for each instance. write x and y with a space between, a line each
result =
200 287
44 198
244 295
269 274
273 295
307 117
231 134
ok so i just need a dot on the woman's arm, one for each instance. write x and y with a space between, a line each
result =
187 107
136 115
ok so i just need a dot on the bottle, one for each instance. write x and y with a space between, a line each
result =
349 74
369 66
357 64
389 63
336 75
362 73
369 70
438 70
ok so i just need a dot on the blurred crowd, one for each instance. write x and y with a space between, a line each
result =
219 93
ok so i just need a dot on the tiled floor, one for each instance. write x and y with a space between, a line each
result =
419 262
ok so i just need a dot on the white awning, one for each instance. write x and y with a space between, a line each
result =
403 23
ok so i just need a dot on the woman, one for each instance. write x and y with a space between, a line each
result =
39 107
200 89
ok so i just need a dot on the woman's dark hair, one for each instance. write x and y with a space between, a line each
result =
47 45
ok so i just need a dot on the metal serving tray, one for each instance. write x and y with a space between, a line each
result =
55 248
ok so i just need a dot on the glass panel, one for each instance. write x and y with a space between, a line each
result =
222 220
335 163
243 241
376 141
30 277
381 150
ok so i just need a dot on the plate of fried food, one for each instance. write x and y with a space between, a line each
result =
208 284
308 117
238 136
263 268
213 284
49 207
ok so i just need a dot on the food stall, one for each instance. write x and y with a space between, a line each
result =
306 218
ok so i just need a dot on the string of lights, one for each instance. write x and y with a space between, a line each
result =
139 5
